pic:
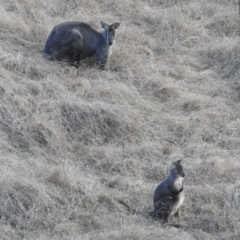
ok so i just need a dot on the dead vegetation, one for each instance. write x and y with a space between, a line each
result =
82 150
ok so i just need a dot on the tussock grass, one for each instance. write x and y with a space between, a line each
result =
82 150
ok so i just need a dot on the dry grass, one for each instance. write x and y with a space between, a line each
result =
82 150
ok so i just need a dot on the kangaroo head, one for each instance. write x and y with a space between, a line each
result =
177 169
109 33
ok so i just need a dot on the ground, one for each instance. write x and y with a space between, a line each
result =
82 150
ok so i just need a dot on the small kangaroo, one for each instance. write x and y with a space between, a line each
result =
73 41
169 195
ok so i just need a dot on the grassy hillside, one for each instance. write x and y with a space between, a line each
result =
82 150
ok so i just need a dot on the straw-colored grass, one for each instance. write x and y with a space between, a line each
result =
82 150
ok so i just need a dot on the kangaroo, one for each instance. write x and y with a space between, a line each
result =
73 41
169 195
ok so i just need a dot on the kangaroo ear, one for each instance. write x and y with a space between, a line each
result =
174 164
115 25
104 25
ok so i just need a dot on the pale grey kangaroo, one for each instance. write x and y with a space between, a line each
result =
169 195
73 41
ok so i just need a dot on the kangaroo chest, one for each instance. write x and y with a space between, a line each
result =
177 185
179 198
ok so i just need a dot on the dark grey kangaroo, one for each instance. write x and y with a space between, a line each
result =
169 195
73 41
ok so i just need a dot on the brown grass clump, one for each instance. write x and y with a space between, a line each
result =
82 150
